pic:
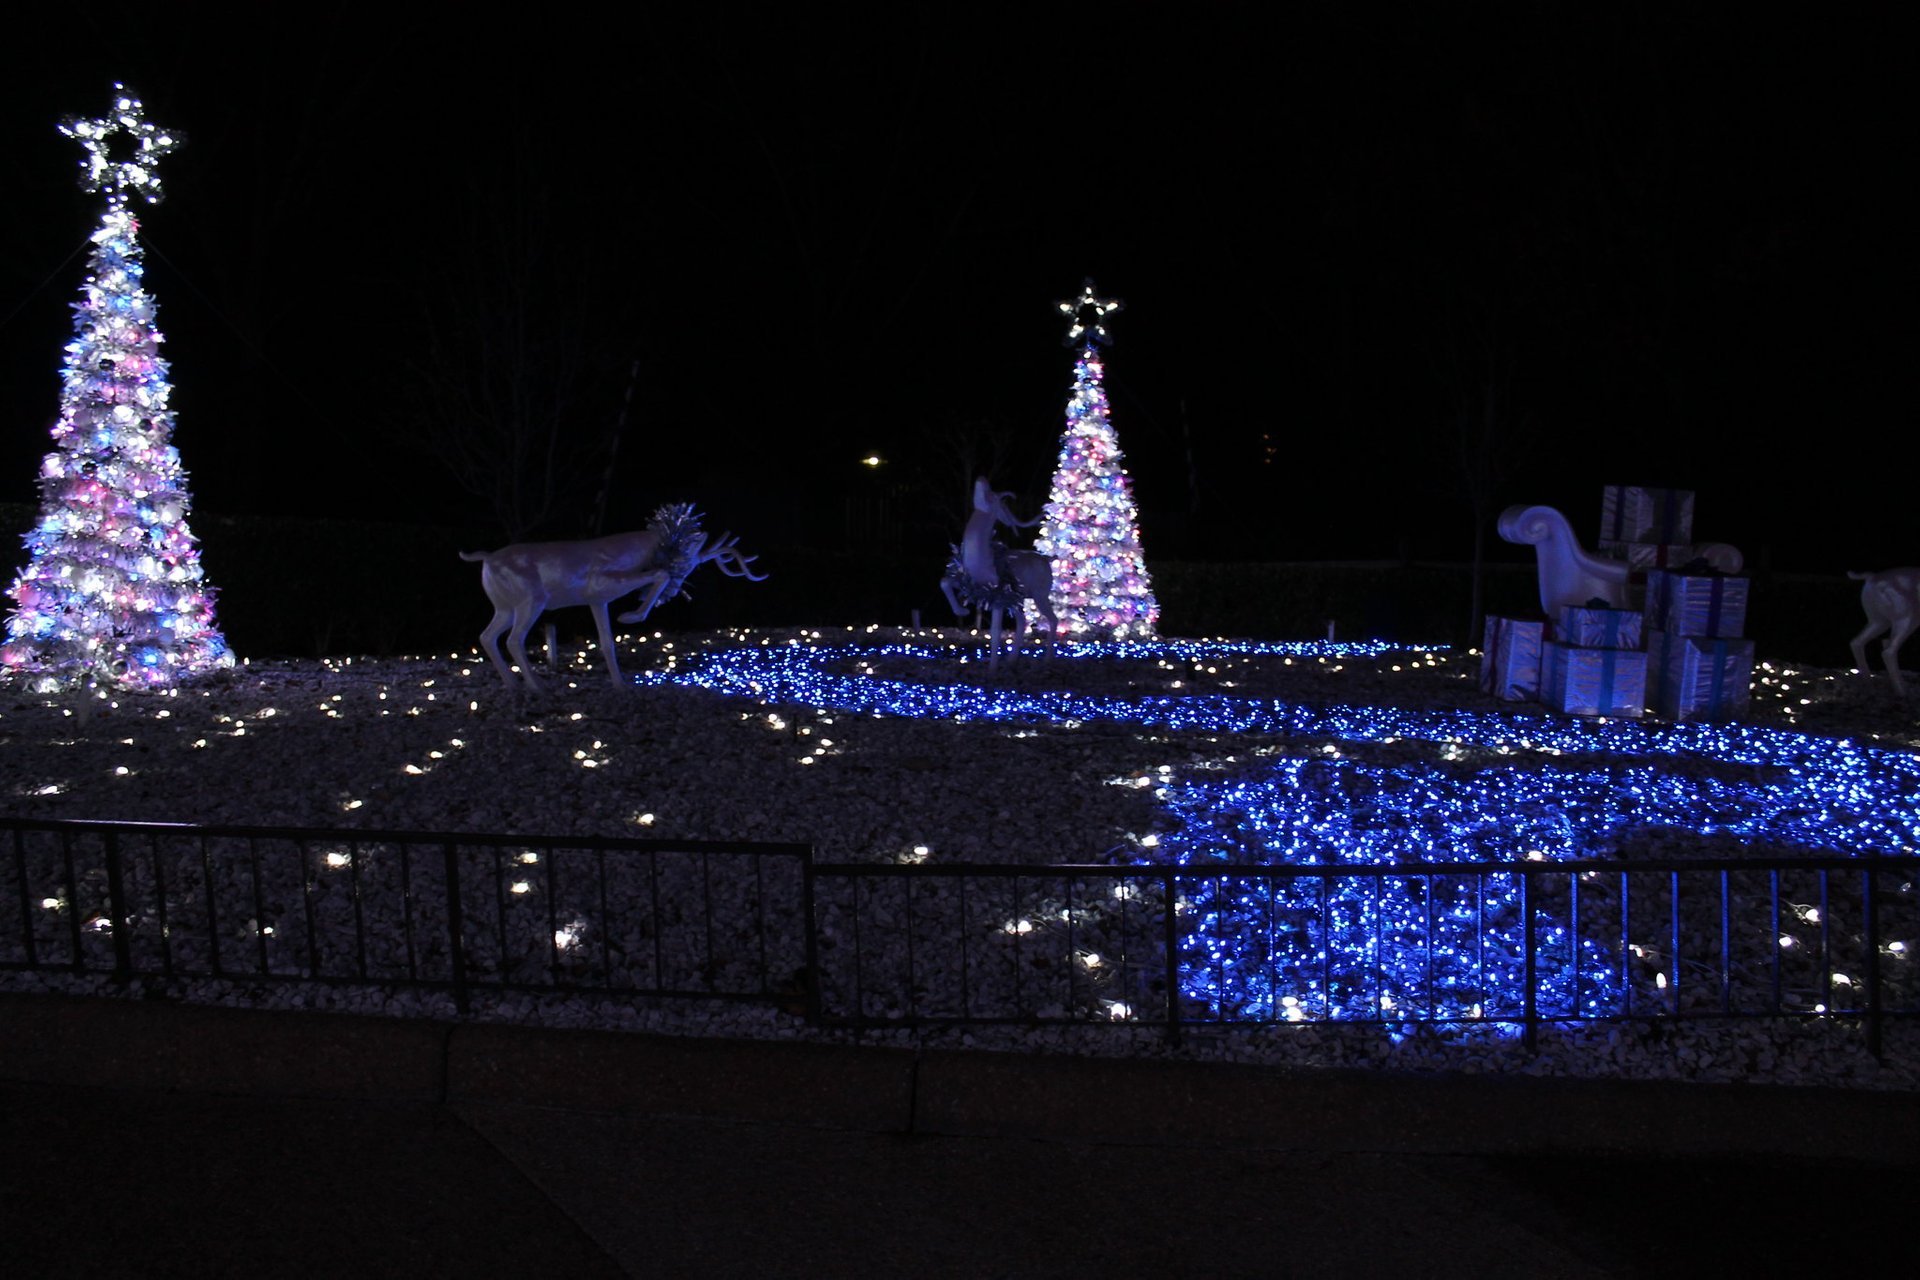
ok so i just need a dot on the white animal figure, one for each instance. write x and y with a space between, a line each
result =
528 578
977 567
1892 601
1569 574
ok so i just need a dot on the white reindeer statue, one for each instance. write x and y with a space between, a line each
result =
528 578
975 575
1891 598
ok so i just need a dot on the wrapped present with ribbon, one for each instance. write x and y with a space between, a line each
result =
1697 602
1594 682
1698 677
1598 627
1510 658
1644 556
1629 513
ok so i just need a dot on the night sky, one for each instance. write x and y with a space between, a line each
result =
1625 244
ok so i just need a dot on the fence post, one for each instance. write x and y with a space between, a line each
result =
117 910
1531 1036
1172 901
812 994
456 928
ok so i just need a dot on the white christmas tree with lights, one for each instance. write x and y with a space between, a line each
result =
113 595
1091 530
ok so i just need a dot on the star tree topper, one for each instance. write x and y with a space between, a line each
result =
121 178
1088 314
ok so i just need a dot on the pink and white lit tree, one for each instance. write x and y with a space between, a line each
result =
1091 529
113 595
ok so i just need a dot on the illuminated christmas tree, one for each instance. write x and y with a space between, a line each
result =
112 595
1091 530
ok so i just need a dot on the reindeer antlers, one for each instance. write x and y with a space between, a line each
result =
725 555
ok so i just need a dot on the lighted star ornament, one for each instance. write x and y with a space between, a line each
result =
1088 315
121 178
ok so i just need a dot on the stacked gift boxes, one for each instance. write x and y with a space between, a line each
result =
1594 666
1699 665
1683 656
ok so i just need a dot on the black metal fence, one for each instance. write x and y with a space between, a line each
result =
1502 945
1505 944
451 911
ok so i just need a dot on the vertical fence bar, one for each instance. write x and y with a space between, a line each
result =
354 849
1172 940
706 906
1773 939
259 906
553 914
1626 941
1826 948
811 941
117 912
1673 941
1726 941
406 908
966 935
606 920
1573 939
456 931
213 910
72 892
304 852
659 922
1870 908
26 897
1532 1007
160 906
913 997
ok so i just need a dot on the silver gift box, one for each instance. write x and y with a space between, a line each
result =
1629 513
1699 677
1697 604
1594 682
1510 658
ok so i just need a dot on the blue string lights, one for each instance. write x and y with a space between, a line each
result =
1461 785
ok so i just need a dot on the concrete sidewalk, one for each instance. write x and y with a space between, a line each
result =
152 1140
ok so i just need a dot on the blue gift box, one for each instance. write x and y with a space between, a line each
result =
1599 628
1510 658
1586 681
1697 604
1698 677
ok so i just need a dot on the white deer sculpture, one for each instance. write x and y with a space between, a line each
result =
974 575
528 578
1892 601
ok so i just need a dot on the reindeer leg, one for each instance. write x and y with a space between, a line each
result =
553 648
517 643
606 639
1891 652
1860 645
490 641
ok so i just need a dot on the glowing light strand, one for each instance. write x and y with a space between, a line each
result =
1328 946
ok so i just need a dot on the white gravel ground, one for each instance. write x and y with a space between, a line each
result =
440 742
